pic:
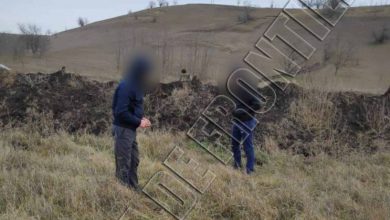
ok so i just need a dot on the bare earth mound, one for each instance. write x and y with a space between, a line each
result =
304 121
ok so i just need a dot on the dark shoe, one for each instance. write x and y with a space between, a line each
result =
250 172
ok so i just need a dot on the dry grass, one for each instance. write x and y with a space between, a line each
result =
314 110
182 99
64 176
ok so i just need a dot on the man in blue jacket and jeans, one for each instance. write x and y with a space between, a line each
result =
128 115
247 117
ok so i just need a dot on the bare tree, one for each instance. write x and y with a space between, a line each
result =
272 4
152 4
381 36
245 15
31 35
33 39
163 3
160 3
340 53
82 21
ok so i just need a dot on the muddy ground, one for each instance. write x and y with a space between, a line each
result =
64 101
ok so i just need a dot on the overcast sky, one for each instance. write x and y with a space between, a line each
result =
59 15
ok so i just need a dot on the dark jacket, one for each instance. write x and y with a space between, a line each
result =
242 112
127 104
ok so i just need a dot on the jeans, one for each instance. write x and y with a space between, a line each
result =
240 133
126 156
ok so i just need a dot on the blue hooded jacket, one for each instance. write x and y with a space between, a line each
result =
127 105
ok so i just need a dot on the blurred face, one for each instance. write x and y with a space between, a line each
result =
144 73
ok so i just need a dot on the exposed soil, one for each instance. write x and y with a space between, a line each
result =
74 103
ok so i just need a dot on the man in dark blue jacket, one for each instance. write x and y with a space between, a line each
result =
128 112
244 112
247 117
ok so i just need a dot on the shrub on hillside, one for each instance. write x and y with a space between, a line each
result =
33 40
381 36
245 15
341 53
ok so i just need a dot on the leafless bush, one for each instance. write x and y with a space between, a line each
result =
82 21
151 4
33 39
31 35
340 53
163 3
381 36
245 15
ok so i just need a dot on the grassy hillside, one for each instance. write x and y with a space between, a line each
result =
205 39
62 176
319 154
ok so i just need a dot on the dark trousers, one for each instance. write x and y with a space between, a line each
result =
239 134
126 156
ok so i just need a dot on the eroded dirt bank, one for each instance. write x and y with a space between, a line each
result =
306 122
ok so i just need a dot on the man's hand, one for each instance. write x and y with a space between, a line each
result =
145 123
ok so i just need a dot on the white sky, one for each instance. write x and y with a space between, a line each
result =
59 15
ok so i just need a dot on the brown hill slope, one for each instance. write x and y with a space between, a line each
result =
205 38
